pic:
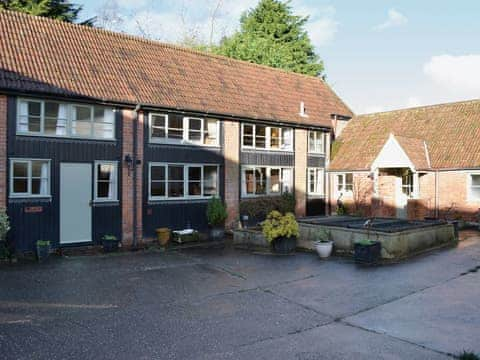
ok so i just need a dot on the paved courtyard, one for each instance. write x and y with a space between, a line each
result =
231 304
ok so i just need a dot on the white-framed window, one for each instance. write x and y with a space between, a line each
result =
264 180
187 130
276 138
344 183
474 187
316 178
29 178
106 183
182 181
316 142
59 119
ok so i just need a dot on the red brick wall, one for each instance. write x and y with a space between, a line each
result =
3 152
128 117
360 202
453 193
300 171
232 172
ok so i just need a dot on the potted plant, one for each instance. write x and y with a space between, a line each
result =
323 244
110 243
43 250
281 231
216 216
367 251
163 236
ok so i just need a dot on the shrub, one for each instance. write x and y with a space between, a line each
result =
109 238
277 225
259 208
468 356
216 212
322 235
4 225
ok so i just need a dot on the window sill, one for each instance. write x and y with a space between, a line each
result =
256 150
26 198
100 203
63 137
254 196
178 200
183 143
316 154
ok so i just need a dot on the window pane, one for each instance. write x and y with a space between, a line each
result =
20 185
250 181
54 126
210 180
20 169
34 108
195 136
274 180
104 172
158 132
34 124
475 192
82 113
82 125
311 141
175 173
158 188
247 135
40 169
287 180
103 131
195 188
158 173
210 132
260 133
349 178
175 127
103 189
98 114
195 124
158 123
40 187
340 182
175 189
287 138
194 173
51 109
475 180
275 138
311 179
260 180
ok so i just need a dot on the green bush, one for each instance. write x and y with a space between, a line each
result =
259 208
109 238
216 212
4 225
278 225
322 235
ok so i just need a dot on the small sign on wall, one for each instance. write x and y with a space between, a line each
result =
33 209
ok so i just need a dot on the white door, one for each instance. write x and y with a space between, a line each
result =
75 200
401 199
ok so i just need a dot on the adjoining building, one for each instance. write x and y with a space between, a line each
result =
106 133
413 163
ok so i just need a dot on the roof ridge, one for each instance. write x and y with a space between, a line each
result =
451 103
169 45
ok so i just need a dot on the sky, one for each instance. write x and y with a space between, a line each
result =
379 55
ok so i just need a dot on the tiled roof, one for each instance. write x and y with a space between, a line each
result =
416 150
49 56
451 132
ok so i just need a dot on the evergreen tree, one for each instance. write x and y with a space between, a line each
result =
272 35
55 9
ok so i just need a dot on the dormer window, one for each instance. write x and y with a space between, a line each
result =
303 110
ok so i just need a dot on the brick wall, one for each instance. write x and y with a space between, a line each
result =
232 172
453 193
301 171
128 117
3 152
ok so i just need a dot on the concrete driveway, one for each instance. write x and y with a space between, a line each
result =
230 304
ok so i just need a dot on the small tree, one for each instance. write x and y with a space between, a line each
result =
216 212
4 225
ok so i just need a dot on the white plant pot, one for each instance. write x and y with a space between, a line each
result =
324 249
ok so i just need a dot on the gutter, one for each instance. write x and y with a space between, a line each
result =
135 165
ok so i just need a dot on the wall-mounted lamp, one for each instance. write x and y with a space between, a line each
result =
129 163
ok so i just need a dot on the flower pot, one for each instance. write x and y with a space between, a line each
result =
285 245
163 235
217 233
110 246
324 249
43 252
368 254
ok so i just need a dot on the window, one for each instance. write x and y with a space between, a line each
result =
474 184
258 180
266 137
315 181
316 142
105 181
345 183
178 130
407 183
180 181
50 118
29 178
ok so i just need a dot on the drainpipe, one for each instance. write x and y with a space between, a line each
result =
135 156
436 195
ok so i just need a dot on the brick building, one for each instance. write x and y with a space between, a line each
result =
105 133
412 163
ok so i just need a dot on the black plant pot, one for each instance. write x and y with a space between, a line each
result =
368 254
285 245
109 246
43 252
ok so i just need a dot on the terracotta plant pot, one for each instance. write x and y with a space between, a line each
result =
163 235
